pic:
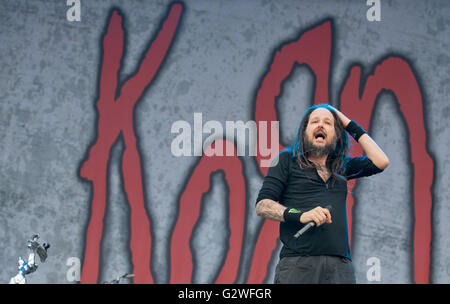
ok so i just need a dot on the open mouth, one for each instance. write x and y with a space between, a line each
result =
319 135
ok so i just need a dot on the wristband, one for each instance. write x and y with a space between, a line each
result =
292 215
355 130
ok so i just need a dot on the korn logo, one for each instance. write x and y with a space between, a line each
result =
312 48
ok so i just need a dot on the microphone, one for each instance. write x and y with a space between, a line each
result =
309 225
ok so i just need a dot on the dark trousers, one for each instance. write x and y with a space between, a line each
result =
322 269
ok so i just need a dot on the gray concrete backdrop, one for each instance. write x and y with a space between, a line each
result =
49 71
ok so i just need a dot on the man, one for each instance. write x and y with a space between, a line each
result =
309 184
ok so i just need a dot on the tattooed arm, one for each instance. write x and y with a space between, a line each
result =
270 209
271 192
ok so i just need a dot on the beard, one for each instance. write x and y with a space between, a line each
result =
312 149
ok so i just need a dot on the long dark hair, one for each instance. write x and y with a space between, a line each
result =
335 159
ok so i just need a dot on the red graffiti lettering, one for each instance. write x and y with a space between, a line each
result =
313 48
189 211
394 74
115 117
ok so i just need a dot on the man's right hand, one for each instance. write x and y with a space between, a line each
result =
317 215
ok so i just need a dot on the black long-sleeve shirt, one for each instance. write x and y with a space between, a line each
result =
293 187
